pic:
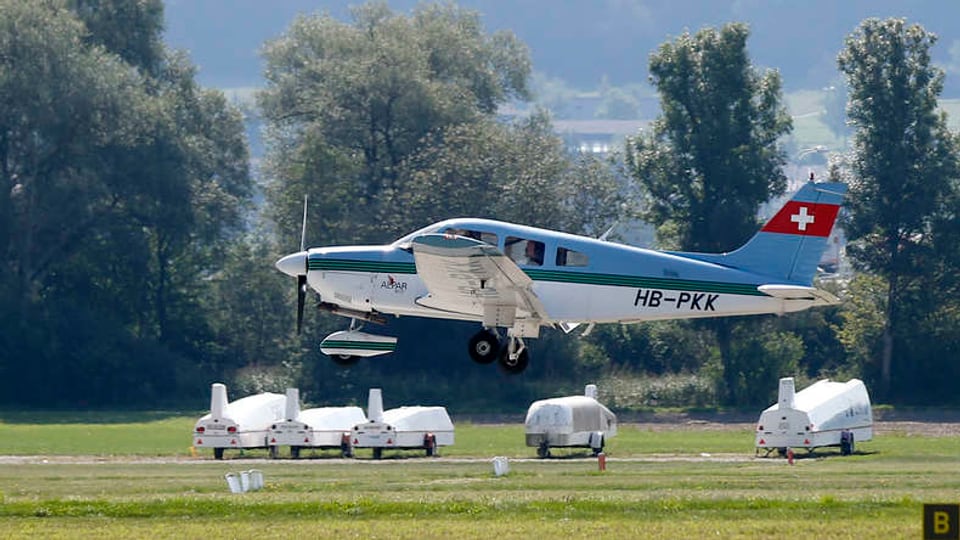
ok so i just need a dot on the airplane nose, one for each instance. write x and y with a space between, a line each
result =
294 264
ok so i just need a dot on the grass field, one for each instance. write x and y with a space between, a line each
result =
134 478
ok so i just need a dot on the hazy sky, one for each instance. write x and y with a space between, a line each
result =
580 41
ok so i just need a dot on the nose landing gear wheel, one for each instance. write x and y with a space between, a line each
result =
484 346
344 359
514 364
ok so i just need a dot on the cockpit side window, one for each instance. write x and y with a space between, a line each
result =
483 236
524 251
569 257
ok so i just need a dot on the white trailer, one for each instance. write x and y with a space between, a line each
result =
243 423
322 427
417 427
572 421
825 413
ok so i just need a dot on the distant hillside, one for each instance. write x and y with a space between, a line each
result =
581 42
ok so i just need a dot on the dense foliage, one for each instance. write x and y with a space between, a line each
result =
136 251
122 180
904 171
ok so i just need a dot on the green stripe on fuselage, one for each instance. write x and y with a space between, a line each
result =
671 284
359 345
346 265
556 276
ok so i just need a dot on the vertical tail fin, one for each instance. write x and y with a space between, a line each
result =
790 245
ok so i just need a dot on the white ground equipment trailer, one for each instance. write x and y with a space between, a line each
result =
825 413
424 428
322 427
241 424
572 421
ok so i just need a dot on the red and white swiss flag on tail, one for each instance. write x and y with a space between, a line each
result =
803 218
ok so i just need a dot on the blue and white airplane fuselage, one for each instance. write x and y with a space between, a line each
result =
521 278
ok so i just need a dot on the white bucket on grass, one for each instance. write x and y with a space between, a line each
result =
501 466
233 482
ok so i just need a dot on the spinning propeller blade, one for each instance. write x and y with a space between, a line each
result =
302 278
301 298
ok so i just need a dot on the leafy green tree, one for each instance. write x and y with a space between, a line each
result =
516 172
131 29
347 104
760 355
121 183
713 156
904 163
68 110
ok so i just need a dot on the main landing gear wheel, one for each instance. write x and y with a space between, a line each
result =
514 364
484 346
344 360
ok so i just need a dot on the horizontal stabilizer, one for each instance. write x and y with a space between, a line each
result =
796 292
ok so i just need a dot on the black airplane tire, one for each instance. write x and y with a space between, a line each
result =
344 360
484 347
218 453
377 453
514 367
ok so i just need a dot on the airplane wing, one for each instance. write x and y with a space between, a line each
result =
474 278
798 292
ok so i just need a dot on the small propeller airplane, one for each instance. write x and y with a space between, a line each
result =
519 278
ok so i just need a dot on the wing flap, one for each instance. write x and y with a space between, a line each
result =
468 276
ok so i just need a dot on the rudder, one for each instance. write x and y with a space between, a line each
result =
789 246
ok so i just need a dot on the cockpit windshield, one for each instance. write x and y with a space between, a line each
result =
404 241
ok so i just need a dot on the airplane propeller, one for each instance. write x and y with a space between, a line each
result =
301 299
295 265
302 278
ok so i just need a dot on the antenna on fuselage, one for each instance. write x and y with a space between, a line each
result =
603 237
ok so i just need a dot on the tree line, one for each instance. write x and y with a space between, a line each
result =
138 244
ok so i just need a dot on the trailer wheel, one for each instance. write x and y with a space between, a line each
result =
218 453
543 450
847 444
295 452
377 453
430 444
599 449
